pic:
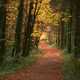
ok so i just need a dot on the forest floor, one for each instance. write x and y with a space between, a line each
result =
47 67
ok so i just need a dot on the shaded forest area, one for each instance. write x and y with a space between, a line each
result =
23 20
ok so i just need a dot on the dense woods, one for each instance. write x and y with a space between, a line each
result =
23 20
17 19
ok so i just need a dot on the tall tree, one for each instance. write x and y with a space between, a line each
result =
26 43
2 29
19 25
77 29
33 12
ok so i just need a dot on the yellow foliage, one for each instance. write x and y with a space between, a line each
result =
45 13
36 34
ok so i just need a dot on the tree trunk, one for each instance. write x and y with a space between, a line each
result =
2 29
19 24
77 30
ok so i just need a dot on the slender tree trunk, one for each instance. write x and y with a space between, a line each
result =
59 36
62 33
69 36
73 7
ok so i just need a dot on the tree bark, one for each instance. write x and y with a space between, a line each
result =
2 29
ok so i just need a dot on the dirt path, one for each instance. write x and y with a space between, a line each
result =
48 67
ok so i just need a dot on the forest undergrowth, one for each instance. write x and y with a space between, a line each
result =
71 67
10 66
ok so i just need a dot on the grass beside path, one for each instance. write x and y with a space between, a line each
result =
71 67
10 67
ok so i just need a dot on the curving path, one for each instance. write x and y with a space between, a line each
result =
48 66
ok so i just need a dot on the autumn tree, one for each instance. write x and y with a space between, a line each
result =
33 12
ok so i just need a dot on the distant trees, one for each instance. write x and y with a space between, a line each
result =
17 19
69 28
73 28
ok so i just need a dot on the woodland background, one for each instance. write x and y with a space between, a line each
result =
22 19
